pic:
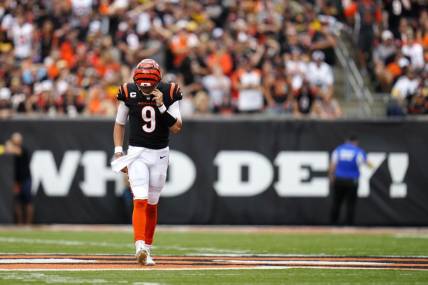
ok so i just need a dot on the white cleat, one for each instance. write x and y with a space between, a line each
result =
141 256
149 260
141 252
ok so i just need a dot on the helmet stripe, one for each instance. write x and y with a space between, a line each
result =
147 70
146 76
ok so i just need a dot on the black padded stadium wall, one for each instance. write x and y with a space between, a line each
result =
261 172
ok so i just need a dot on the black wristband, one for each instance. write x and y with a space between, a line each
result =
168 119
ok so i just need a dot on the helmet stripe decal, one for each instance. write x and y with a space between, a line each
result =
147 72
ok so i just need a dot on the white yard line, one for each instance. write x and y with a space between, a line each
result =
63 242
145 269
204 250
410 235
189 250
304 262
218 254
44 260
200 269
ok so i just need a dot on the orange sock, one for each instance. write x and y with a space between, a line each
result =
152 220
139 219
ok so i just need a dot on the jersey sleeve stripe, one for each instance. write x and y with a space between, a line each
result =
125 88
120 91
171 90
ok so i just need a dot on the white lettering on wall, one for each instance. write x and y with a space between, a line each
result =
366 173
97 173
230 165
300 173
182 174
397 165
45 173
295 174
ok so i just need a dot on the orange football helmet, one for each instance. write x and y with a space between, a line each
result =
147 74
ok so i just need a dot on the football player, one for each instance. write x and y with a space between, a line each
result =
153 111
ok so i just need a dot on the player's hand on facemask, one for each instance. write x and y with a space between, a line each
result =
158 97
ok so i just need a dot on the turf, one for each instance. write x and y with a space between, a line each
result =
287 276
190 243
178 243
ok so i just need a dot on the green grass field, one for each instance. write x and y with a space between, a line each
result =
169 242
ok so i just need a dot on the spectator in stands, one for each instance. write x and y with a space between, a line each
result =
187 107
71 103
97 104
423 33
326 107
397 67
305 97
397 10
249 86
218 87
296 67
419 103
5 103
406 86
220 57
383 54
323 40
23 37
370 16
202 103
6 45
413 50
276 88
320 74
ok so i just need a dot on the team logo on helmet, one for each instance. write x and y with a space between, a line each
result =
147 73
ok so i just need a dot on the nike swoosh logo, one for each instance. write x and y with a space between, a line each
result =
162 157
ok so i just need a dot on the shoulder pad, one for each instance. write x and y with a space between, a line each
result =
174 92
122 94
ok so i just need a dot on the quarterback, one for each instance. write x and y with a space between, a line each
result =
153 111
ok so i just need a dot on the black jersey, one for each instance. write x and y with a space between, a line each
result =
145 125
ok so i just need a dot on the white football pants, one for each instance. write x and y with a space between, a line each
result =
147 172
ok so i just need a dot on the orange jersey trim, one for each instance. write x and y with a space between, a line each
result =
171 91
125 89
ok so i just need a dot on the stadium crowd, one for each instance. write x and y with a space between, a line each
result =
393 49
68 57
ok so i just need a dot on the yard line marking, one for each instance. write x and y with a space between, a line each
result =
44 260
196 250
303 262
141 269
206 250
63 242
409 235
49 279
127 262
152 269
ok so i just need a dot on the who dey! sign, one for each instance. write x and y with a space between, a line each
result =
295 173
